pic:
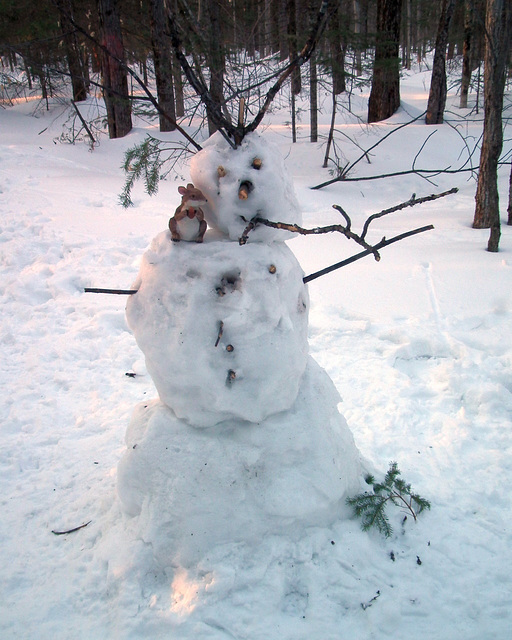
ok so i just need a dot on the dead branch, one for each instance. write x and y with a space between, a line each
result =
410 203
295 228
383 243
343 229
84 123
119 292
219 335
62 533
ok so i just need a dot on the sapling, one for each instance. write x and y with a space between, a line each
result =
371 507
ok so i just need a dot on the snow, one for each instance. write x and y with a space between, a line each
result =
418 345
219 172
195 301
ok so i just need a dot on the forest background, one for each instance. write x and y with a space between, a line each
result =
228 59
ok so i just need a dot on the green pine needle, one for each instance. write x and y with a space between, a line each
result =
371 507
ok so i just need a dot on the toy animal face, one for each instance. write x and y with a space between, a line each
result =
191 195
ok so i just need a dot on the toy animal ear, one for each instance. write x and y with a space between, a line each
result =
190 186
182 190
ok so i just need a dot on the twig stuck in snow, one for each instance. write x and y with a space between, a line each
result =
61 533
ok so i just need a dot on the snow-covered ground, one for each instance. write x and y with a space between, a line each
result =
419 346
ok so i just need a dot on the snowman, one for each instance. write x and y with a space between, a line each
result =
245 439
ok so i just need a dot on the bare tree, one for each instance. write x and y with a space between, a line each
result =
474 20
437 95
498 29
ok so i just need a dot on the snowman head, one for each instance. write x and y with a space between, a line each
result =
243 183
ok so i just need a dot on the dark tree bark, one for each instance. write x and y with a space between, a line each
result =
509 210
293 45
437 95
114 74
178 85
216 61
72 48
337 34
466 54
497 47
313 99
385 91
163 64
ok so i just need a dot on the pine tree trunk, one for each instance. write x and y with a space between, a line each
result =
282 19
466 55
292 46
178 84
313 99
114 74
356 8
336 36
72 49
437 95
385 91
509 210
498 29
163 64
216 62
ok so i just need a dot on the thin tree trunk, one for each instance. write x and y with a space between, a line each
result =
292 45
437 95
497 45
331 131
115 79
313 99
466 55
294 126
216 61
509 210
178 85
385 92
163 64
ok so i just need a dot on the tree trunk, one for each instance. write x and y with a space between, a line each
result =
337 39
509 210
216 62
163 64
292 46
497 45
356 9
385 91
466 56
313 99
115 81
178 84
72 48
437 95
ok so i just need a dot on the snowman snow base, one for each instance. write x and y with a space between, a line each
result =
193 489
246 440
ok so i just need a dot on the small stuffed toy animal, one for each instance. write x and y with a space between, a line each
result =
188 222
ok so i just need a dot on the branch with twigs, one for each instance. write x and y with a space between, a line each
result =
346 230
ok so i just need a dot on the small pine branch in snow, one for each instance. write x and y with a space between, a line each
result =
371 507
